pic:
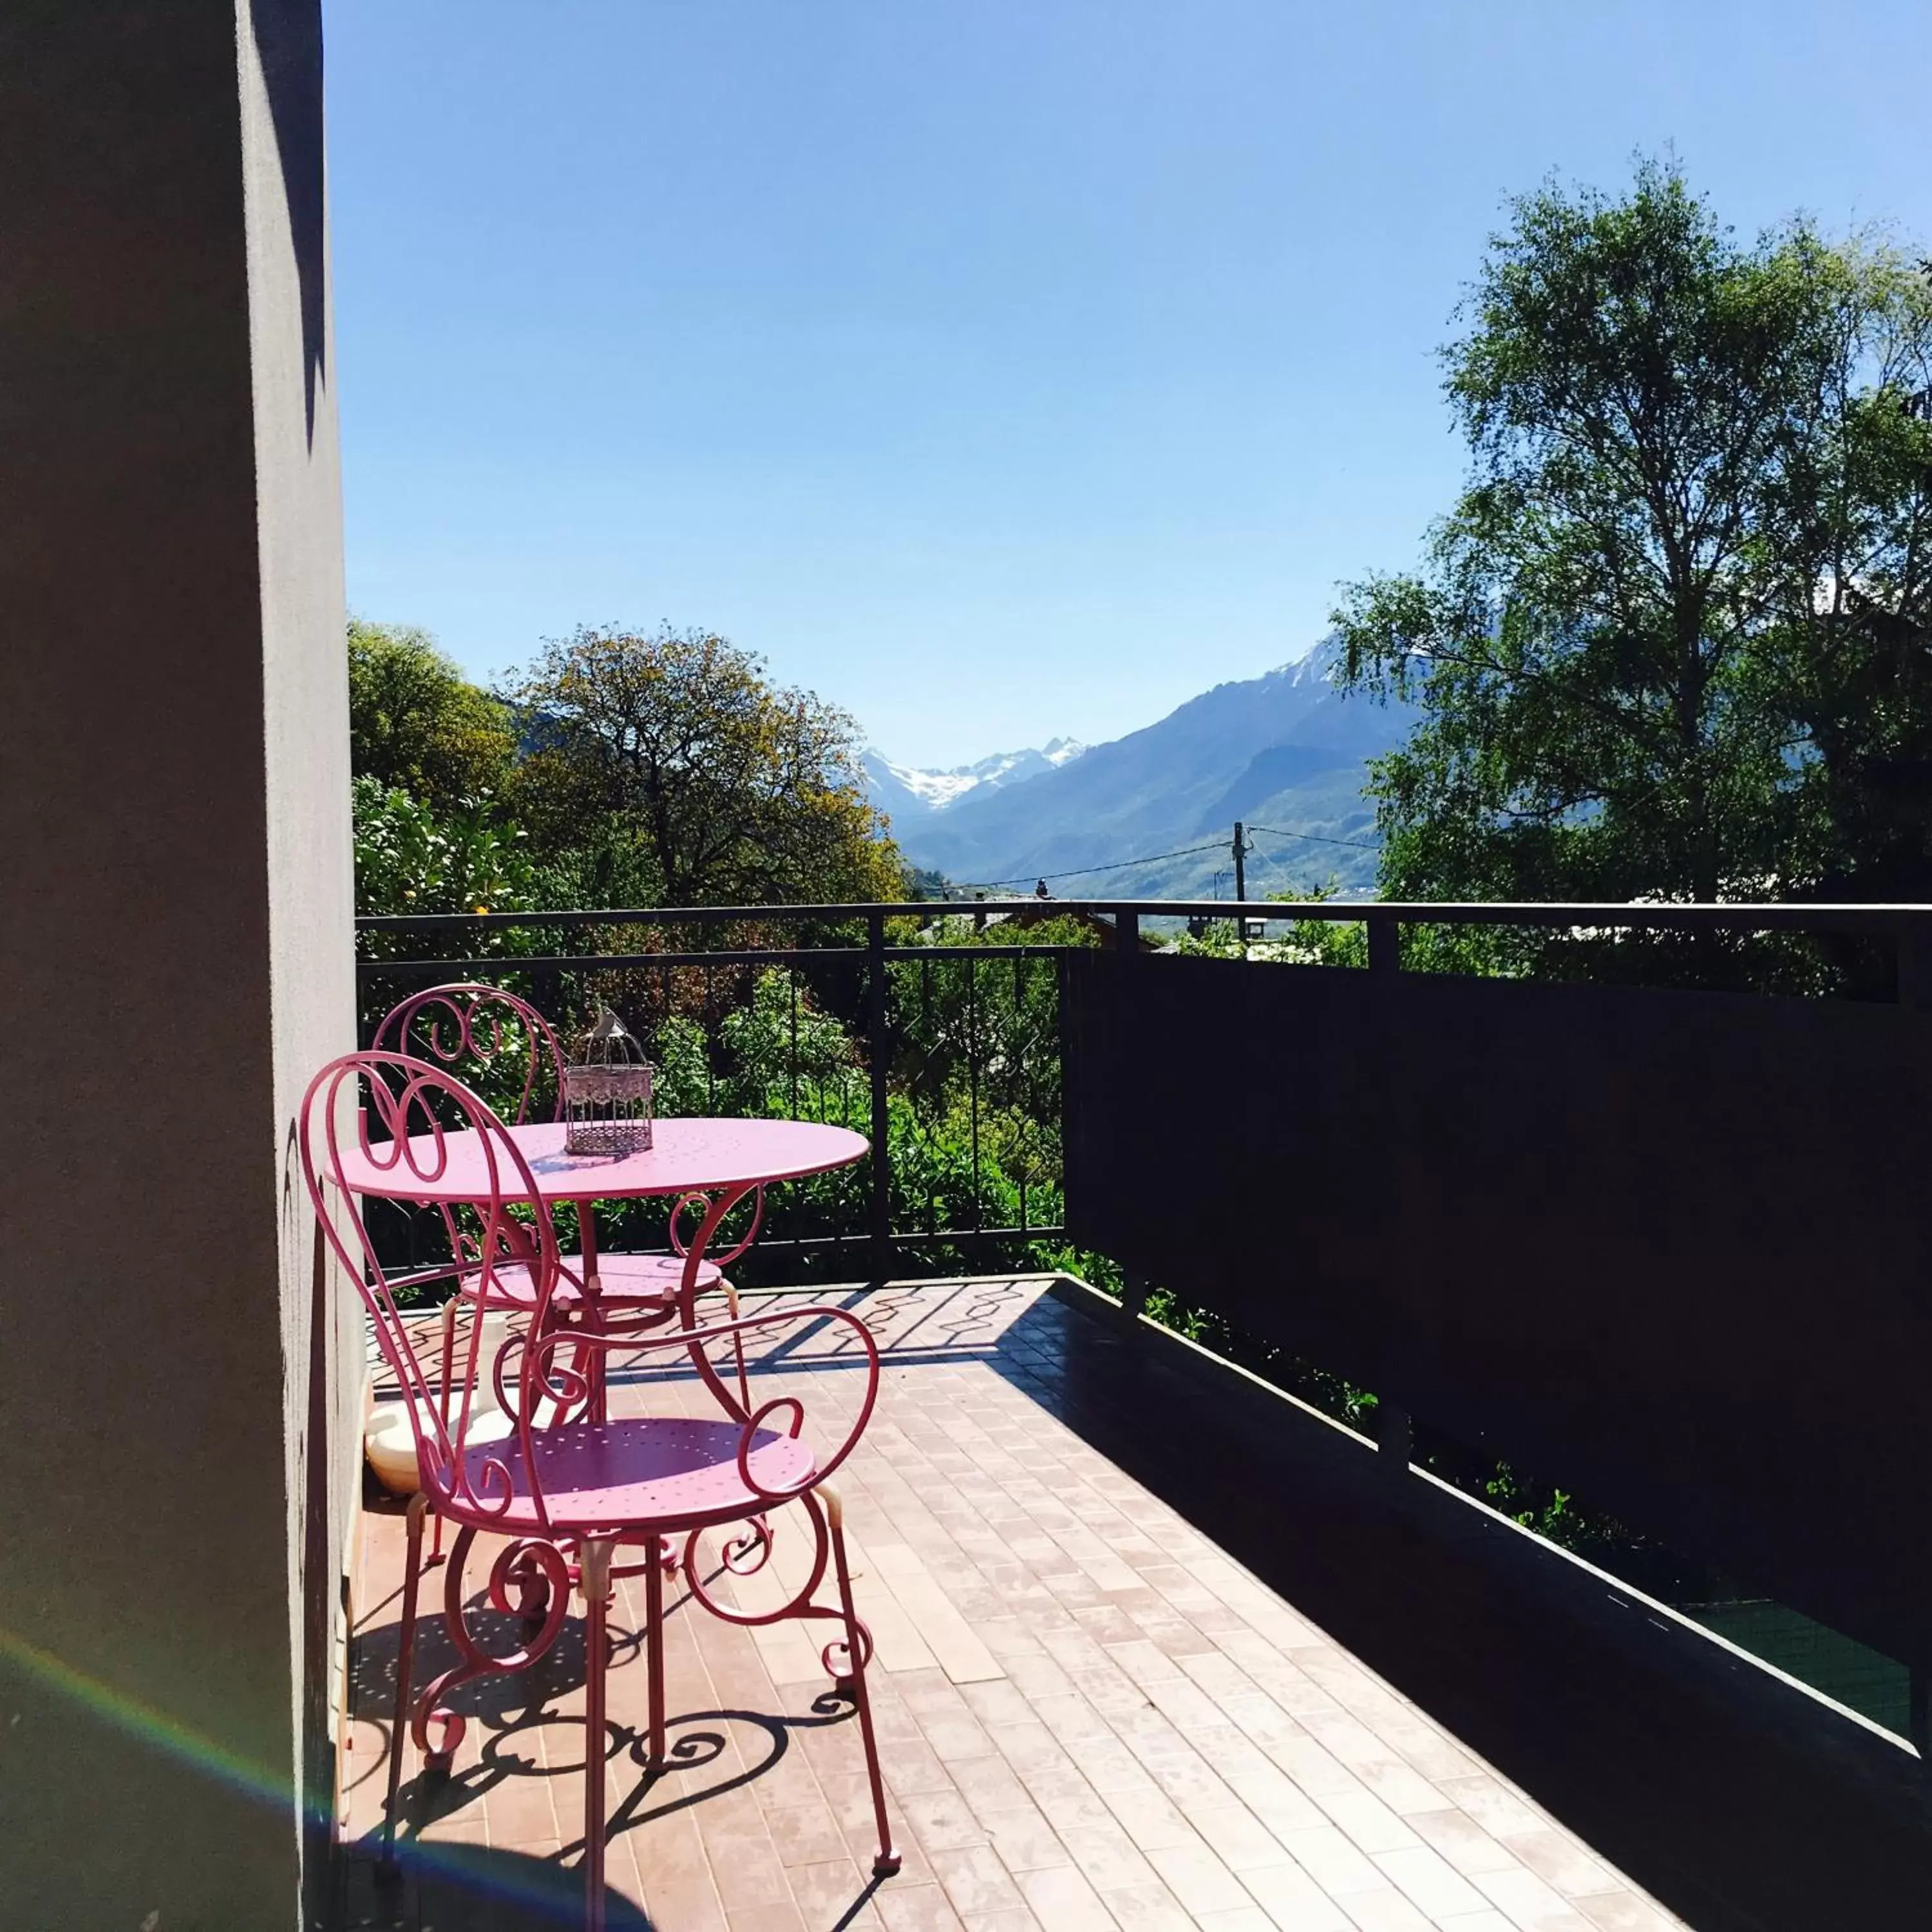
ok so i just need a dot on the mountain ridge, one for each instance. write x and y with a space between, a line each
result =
1286 748
911 790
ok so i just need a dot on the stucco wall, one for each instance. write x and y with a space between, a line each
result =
174 943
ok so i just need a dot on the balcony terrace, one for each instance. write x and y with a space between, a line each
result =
1158 1644
1158 1647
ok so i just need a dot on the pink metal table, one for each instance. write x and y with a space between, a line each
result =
719 1162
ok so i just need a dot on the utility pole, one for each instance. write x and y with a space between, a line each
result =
1242 845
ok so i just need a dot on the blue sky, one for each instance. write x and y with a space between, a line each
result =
999 371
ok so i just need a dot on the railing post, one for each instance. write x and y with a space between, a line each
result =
1133 1287
1384 943
1395 1443
1914 950
1395 1428
547 992
879 1052
1914 991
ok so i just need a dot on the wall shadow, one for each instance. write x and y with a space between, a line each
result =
1742 1804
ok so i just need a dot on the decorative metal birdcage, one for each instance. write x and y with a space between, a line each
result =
607 1095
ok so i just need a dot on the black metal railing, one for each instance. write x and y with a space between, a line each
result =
947 1056
930 1029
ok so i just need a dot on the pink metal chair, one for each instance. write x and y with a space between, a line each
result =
567 1497
478 1031
488 1035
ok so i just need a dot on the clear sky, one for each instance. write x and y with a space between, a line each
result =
1000 369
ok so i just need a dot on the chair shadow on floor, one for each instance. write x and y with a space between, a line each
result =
458 1885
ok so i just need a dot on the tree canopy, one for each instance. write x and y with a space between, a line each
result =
1675 638
622 769
415 722
672 765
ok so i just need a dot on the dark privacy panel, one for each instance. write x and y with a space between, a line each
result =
1667 1249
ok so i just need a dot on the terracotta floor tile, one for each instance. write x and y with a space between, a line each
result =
944 1820
519 1810
771 1917
1061 1899
1238 1838
1386 1910
1429 1881
977 1881
1463 1842
1498 1810
919 1908
1197 1878
1148 1908
1367 1820
1622 1912
1109 1857
1334 1861
826 1895
1150 1817
989 1784
1527 1902
1068 1800
687 1907
1025 1840
1292 1898
1559 1861
1088 1715
1030 1747
806 1834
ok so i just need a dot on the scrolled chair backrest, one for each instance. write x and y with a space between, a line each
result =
494 1039
386 1125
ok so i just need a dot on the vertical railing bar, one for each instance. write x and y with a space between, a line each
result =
1384 943
710 1061
882 1156
1024 1087
973 1079
663 999
791 977
1395 1428
935 1056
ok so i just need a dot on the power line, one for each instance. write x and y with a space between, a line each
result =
1273 866
1185 852
1118 865
1316 838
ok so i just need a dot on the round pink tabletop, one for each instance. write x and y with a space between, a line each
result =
685 1156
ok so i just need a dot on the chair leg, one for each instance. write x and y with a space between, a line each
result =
594 1579
405 1652
654 1752
887 1862
738 1346
448 1375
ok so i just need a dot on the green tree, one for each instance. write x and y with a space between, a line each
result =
666 770
408 860
415 722
1671 641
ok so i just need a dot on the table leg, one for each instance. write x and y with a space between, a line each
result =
593 1314
687 1300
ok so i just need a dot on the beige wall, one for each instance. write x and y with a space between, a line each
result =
175 958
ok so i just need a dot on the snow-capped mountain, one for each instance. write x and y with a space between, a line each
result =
904 792
1286 753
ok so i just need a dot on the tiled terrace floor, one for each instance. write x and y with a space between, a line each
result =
1091 1715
